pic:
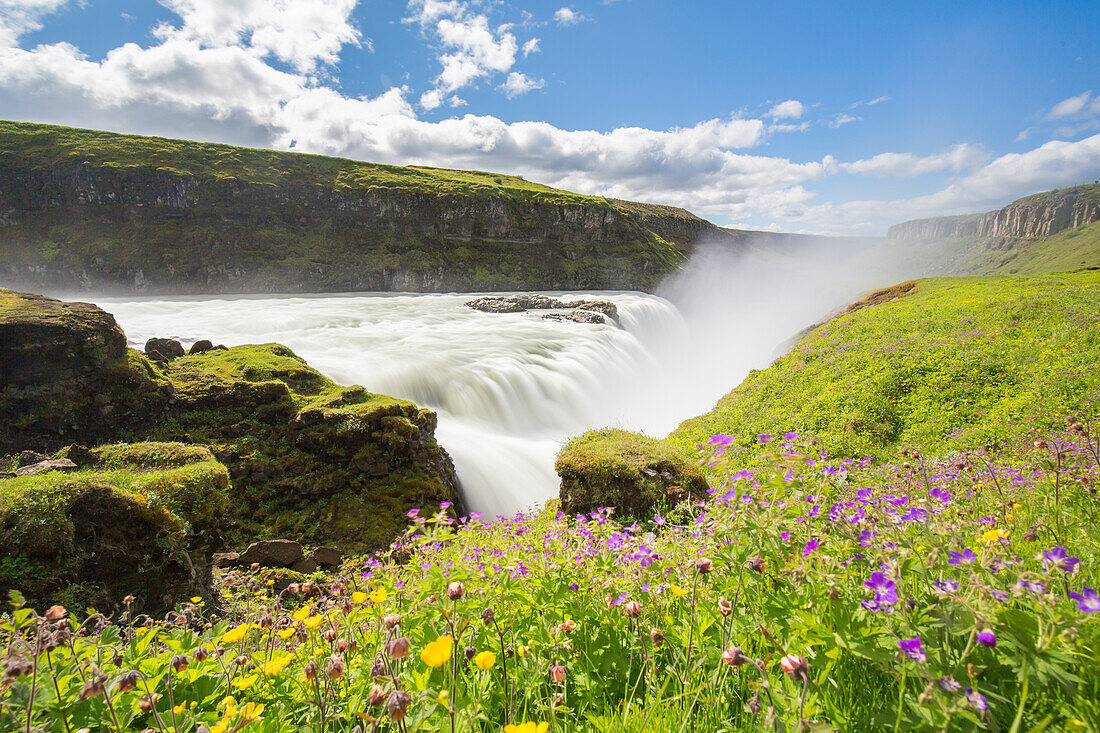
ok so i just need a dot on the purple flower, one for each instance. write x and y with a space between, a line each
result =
884 588
965 557
412 512
444 504
658 520
948 684
618 601
763 438
976 700
912 649
1058 558
790 436
808 549
947 585
785 536
1087 601
942 494
720 439
1034 586
987 638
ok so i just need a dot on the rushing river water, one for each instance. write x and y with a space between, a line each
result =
510 388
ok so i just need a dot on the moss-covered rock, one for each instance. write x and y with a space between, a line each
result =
636 474
143 522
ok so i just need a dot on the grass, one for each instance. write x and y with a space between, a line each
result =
1067 250
956 362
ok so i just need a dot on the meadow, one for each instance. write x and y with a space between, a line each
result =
806 593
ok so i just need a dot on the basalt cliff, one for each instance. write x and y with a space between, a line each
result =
1039 215
87 210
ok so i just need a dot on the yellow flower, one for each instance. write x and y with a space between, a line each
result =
1008 517
529 727
358 597
994 535
220 727
437 652
485 660
230 706
522 651
178 710
378 595
313 622
196 599
275 666
301 614
680 592
235 634
287 633
1017 507
920 548
252 710
245 682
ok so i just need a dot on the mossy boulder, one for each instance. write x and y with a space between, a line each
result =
636 474
144 521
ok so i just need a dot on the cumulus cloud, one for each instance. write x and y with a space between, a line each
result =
791 109
567 16
19 17
530 47
517 84
1073 106
903 165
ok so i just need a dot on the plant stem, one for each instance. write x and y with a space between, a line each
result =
1019 719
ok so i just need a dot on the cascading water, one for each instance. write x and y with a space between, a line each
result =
509 387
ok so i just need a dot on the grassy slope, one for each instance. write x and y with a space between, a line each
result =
1067 250
958 361
44 146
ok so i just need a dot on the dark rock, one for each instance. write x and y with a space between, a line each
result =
201 347
327 557
495 305
226 559
535 301
6 474
80 455
53 464
599 306
272 553
305 565
163 349
29 458
576 317
221 347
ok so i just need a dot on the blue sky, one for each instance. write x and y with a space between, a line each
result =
839 117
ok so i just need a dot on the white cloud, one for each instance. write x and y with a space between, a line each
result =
1070 107
19 17
791 109
530 47
869 102
431 99
904 165
567 16
517 84
843 119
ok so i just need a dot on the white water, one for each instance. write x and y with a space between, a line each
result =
510 388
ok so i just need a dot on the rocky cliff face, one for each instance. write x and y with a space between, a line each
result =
1040 215
148 221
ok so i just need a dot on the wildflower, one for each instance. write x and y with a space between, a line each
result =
558 674
487 616
358 597
251 711
235 634
178 710
757 564
948 684
961 558
1088 601
245 682
276 664
885 589
734 657
913 649
55 613
397 703
201 654
456 590
1057 558
93 687
568 625
632 609
437 652
180 662
398 648
725 608
795 666
301 614
703 565
947 585
529 727
994 535
987 638
678 591
657 637
976 699
376 696
809 548
485 660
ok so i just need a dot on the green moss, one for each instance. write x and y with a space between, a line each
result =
957 362
634 473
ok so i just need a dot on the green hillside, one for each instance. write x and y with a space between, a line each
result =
955 362
1070 249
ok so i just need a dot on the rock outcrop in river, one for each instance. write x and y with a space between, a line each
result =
97 211
308 459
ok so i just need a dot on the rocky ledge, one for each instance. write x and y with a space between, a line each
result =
586 311
326 464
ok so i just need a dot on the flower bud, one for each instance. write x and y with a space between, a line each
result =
307 588
93 687
128 600
55 613
724 607
127 682
397 703
377 696
795 667
391 619
568 625
757 564
201 654
632 609
378 668
470 651
558 674
292 588
398 648
456 590
329 635
335 668
734 657
657 637
254 566
180 662
310 671
487 616
703 565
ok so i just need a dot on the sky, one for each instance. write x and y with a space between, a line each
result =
836 118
